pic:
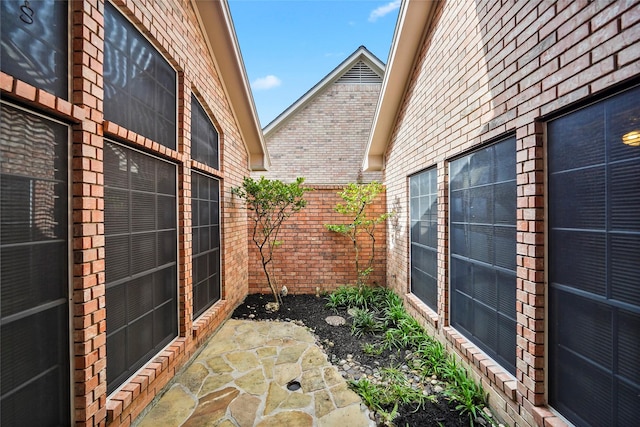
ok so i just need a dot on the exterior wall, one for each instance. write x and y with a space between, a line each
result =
313 257
325 141
488 70
172 27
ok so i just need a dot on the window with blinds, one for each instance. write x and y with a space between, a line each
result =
482 234
594 262
140 258
139 84
423 189
205 208
34 43
204 136
34 269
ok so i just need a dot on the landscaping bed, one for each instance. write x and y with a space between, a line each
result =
385 368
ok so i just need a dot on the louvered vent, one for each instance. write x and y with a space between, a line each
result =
360 73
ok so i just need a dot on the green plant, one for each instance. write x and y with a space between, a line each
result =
365 321
271 203
469 396
371 349
432 357
379 306
357 197
387 417
357 297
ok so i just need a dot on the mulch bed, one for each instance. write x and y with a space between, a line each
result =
312 311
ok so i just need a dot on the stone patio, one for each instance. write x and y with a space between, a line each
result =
247 375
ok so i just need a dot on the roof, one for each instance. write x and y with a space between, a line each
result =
361 54
414 21
217 26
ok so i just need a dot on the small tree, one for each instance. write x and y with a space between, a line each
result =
356 199
271 202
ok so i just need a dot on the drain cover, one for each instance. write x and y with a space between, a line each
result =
293 385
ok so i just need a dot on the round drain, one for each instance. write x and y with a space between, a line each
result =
293 385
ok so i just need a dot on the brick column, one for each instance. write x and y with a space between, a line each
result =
88 307
530 292
443 242
185 243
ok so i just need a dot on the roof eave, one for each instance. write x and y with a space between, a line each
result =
414 21
217 26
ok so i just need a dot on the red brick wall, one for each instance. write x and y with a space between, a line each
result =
313 257
324 141
173 29
488 69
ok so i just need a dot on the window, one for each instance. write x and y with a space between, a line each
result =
482 203
140 258
34 43
139 84
34 269
205 202
424 237
594 263
204 137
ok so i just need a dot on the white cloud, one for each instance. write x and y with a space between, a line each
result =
383 10
267 82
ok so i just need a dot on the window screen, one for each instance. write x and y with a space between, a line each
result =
482 203
205 202
34 270
424 237
139 84
204 137
140 259
594 263
34 45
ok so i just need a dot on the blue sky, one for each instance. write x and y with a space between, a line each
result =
290 45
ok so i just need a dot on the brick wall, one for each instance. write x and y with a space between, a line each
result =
172 27
324 141
313 257
487 70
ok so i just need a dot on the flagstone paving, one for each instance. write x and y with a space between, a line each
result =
240 380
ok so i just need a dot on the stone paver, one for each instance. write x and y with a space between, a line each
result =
240 380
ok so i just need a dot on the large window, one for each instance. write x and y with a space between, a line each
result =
204 137
139 84
594 263
140 257
34 269
35 44
424 237
205 202
482 204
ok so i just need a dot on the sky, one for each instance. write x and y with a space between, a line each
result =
288 46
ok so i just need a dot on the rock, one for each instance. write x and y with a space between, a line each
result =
335 320
173 408
438 389
272 307
212 407
350 416
244 408
254 382
287 419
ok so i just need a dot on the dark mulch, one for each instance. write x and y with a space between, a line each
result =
312 311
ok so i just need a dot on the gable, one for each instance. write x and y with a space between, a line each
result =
360 73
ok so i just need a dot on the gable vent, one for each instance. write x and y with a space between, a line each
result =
360 73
